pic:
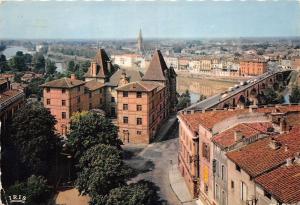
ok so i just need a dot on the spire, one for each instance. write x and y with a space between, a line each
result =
140 46
157 68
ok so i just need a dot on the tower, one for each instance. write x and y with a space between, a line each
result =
140 46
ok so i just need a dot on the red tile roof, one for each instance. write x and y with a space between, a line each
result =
283 183
9 94
156 68
93 85
226 138
258 157
63 83
101 59
138 86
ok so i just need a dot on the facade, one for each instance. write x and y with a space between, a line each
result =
65 96
128 60
10 101
253 67
207 140
296 62
144 105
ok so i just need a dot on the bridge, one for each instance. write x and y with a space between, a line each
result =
238 95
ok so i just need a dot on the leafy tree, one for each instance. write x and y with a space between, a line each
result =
89 129
39 62
2 47
18 62
35 189
273 98
295 95
101 169
27 58
33 135
50 67
3 63
184 100
140 193
71 66
34 87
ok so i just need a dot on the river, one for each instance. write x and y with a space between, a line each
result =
198 86
11 51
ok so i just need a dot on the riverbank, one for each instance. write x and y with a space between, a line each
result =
210 77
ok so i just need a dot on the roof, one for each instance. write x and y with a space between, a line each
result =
93 85
226 138
101 59
156 68
259 157
283 183
63 83
133 75
9 94
139 86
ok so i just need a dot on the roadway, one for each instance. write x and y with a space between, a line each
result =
214 100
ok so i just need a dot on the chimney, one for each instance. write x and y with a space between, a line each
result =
283 125
289 162
274 144
238 136
286 148
297 158
73 77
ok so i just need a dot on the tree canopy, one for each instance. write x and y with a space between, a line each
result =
101 169
89 129
33 135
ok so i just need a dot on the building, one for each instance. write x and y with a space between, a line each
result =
149 99
172 62
144 105
140 43
65 96
10 101
253 67
296 62
128 60
207 140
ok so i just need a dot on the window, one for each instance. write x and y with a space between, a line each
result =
125 106
205 151
125 94
47 90
63 91
90 95
217 193
63 103
100 100
78 100
138 107
125 120
78 89
267 194
139 121
243 192
90 106
223 172
48 101
238 168
63 115
113 112
113 99
138 94
138 132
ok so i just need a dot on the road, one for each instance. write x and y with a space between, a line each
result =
154 162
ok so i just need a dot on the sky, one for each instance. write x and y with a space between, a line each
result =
157 19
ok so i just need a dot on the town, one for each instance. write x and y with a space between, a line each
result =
150 121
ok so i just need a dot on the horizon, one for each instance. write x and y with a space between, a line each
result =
111 20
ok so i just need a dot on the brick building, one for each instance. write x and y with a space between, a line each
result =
10 101
149 99
253 67
206 138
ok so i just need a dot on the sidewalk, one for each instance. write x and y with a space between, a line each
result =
179 187
166 128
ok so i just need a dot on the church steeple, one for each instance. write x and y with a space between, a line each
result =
140 46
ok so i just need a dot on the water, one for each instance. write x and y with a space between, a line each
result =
198 86
9 52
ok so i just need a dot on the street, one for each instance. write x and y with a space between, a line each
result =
154 162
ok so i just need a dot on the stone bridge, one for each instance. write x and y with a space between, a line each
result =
239 95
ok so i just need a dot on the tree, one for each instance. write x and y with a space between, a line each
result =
33 135
101 169
184 100
34 87
71 66
140 193
18 62
3 63
39 63
35 189
89 129
273 98
50 67
295 95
